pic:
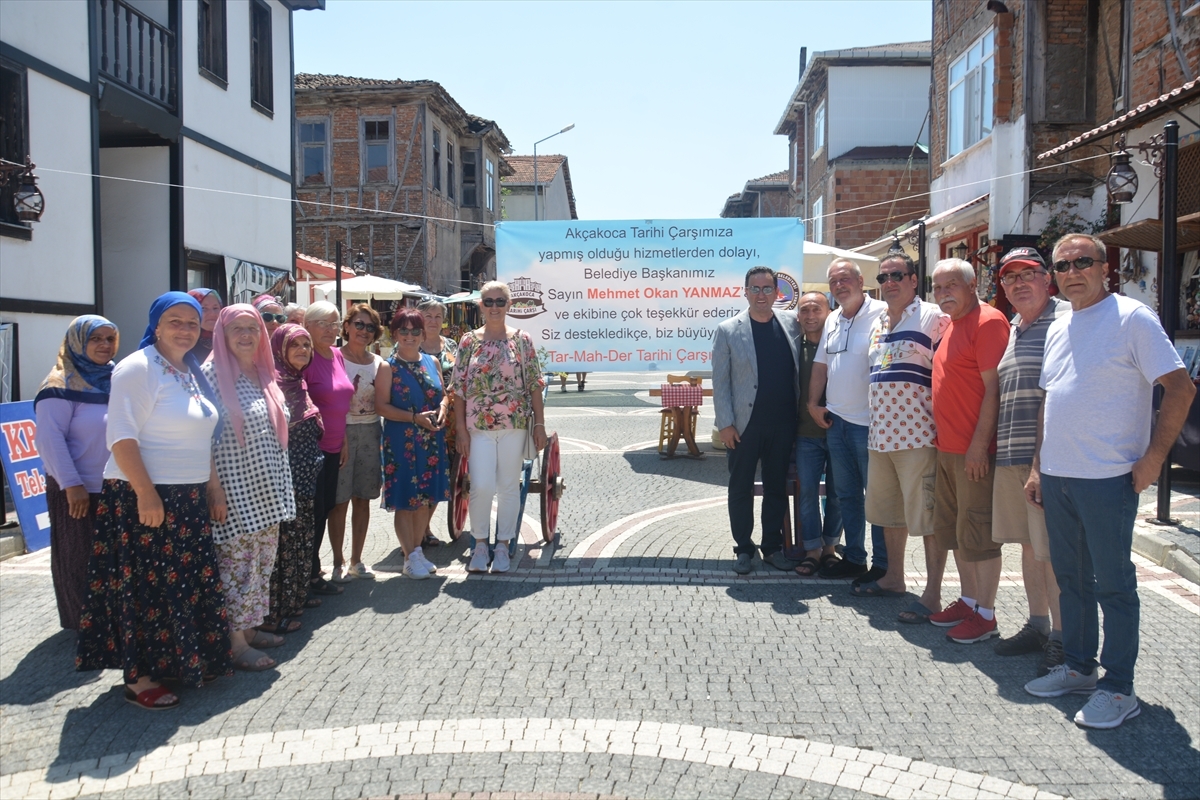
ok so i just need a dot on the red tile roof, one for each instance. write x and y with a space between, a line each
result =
523 168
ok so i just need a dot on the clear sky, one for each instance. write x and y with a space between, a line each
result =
674 104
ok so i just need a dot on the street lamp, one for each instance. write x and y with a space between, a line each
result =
28 202
360 263
959 251
535 177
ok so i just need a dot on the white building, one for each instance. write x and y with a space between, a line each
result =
556 195
162 135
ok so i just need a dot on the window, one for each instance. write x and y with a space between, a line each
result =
470 197
819 127
437 159
818 224
450 170
1122 100
261 90
377 150
313 147
212 41
14 141
970 112
491 184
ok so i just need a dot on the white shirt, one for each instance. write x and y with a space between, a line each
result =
849 377
1099 372
162 410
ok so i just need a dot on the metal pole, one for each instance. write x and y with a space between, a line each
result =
337 291
1168 295
535 183
921 260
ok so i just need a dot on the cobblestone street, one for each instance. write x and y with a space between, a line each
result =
629 661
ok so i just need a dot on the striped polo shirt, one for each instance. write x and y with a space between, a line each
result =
1020 396
901 390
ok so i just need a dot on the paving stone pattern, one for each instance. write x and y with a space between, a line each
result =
627 662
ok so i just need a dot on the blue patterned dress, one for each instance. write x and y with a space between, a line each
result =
415 467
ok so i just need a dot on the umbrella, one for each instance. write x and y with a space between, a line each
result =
372 286
816 262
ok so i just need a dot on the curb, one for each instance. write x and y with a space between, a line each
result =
1165 553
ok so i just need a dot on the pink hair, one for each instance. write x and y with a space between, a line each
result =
225 364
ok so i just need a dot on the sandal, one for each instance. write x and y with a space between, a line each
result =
431 541
808 567
827 560
265 639
322 586
150 697
248 662
915 614
284 625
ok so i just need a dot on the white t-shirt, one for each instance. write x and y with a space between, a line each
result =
848 384
362 402
162 410
1099 373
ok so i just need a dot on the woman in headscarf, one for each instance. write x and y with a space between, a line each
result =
291 346
272 312
155 608
72 411
210 307
252 465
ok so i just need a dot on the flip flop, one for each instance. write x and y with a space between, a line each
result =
916 614
431 541
147 698
808 567
873 589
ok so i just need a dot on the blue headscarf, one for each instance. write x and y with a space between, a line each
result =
76 377
157 309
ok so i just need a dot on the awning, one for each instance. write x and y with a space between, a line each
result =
880 246
1146 234
1158 106
946 218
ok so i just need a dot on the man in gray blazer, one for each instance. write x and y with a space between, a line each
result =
755 391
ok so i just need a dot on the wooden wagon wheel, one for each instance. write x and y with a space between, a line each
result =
460 498
552 488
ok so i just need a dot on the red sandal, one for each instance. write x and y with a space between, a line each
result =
148 699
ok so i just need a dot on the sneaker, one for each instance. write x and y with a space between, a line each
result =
429 565
973 629
479 558
1028 640
1052 656
362 572
500 559
870 576
779 561
1062 680
744 564
842 568
339 574
1107 710
413 568
951 615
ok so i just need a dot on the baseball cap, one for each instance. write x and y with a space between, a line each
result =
1022 257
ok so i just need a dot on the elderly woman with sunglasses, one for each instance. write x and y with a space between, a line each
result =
411 397
360 477
272 312
251 459
497 385
330 389
72 409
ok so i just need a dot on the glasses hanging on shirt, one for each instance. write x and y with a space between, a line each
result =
838 340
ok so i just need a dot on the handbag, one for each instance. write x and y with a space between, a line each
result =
530 453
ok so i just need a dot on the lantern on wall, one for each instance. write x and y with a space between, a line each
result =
1122 177
28 201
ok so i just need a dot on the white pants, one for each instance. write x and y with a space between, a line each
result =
497 458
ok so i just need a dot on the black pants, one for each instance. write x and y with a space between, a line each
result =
323 502
770 442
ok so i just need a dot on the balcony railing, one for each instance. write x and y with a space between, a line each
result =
137 52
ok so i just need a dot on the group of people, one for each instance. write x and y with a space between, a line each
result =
190 486
950 422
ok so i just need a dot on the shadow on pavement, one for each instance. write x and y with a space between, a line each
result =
782 597
1157 747
711 469
41 674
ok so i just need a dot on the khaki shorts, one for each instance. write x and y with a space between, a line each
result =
901 489
1013 518
362 474
962 517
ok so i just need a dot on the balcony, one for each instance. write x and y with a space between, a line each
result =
138 51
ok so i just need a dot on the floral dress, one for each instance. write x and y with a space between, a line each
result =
293 562
447 357
499 395
415 467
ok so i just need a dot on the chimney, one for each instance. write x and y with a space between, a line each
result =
803 62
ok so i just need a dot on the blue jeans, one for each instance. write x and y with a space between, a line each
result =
812 461
1090 523
847 444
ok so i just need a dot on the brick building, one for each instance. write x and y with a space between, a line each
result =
400 172
768 196
856 126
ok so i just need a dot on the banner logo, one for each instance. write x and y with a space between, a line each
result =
526 298
789 291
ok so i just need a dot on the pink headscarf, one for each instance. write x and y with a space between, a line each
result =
264 300
226 365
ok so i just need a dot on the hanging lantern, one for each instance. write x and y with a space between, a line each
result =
959 251
28 200
1122 179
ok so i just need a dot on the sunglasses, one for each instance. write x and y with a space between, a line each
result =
769 290
1081 263
269 317
884 277
410 331
494 302
1025 276
369 327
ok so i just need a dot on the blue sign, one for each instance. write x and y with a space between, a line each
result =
24 471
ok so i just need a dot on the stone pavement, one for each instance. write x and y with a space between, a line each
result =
629 661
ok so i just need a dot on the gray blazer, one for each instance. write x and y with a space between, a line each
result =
735 367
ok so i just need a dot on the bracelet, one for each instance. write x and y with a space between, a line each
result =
539 425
